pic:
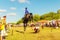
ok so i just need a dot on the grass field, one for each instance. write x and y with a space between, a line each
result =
44 34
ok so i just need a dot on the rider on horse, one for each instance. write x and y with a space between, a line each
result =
25 19
26 11
28 17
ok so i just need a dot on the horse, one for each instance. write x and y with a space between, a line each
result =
26 19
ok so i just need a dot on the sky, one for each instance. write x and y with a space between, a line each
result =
14 9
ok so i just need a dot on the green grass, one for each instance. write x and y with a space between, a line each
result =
44 34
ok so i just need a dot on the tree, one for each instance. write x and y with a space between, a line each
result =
58 11
36 17
48 16
20 21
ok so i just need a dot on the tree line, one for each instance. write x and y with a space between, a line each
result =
46 16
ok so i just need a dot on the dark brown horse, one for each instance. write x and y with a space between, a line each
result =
26 19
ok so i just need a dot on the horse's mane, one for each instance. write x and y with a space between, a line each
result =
30 17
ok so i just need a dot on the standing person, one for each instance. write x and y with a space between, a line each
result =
42 25
54 23
4 22
3 31
3 28
0 30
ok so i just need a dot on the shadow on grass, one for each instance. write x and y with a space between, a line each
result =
33 32
20 31
25 32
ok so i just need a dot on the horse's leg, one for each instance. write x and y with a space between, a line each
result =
25 25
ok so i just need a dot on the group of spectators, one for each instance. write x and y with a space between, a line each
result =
52 23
